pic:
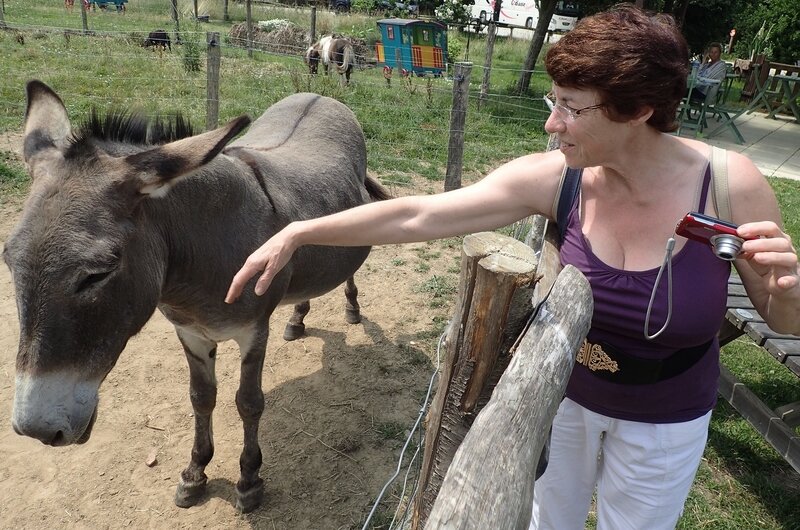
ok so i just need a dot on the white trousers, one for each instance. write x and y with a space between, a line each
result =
642 471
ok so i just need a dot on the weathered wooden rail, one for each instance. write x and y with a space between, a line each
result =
497 393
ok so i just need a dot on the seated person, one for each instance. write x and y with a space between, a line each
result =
710 75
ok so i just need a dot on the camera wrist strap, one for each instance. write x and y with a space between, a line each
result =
667 263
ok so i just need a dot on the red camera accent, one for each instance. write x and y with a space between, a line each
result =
702 228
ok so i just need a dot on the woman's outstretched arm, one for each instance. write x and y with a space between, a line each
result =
522 187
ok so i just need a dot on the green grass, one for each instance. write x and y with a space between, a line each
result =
13 178
742 483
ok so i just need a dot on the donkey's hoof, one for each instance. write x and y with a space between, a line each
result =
249 500
294 331
189 493
353 316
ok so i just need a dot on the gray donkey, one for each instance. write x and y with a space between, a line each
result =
126 216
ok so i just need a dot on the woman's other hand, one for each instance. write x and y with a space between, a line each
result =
770 253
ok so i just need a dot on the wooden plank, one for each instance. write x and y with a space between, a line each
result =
790 414
784 350
761 333
740 316
736 289
740 302
792 362
764 420
728 332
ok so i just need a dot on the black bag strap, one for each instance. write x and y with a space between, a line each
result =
567 193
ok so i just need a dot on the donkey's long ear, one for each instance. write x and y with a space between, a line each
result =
46 121
156 170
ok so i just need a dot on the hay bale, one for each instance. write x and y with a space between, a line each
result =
288 39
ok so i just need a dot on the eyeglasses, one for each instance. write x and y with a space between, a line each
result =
566 113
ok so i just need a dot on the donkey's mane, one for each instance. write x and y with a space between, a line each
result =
132 127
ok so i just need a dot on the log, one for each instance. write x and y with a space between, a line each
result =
490 481
493 267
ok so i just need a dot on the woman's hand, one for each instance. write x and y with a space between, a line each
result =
770 253
268 260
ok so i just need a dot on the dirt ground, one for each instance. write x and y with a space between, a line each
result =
338 404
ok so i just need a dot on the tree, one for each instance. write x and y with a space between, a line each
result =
782 16
546 9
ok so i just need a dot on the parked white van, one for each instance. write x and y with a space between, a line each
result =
525 13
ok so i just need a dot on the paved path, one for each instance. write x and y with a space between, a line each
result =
772 144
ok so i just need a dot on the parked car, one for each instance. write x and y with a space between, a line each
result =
409 7
339 6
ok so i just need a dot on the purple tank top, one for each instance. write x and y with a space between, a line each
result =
699 295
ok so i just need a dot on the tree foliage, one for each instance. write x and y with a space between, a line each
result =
782 16
706 21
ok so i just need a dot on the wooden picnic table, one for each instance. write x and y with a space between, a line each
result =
776 426
790 87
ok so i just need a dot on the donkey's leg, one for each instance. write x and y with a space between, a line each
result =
352 310
201 355
250 403
295 327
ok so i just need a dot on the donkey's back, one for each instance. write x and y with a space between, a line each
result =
311 155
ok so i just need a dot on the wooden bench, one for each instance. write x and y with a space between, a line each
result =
776 426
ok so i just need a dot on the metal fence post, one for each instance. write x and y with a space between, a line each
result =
458 117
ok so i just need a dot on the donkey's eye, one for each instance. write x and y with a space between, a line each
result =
93 279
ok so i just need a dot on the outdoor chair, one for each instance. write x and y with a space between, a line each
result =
725 114
692 114
763 95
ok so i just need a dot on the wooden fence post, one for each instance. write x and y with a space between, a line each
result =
84 21
493 267
249 29
313 31
175 20
458 117
490 482
212 79
487 63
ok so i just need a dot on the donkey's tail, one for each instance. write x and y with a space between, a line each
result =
347 59
375 190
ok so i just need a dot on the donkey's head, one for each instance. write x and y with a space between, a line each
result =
86 263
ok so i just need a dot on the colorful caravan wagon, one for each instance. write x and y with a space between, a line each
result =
420 45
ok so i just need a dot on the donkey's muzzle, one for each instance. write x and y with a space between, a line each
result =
53 409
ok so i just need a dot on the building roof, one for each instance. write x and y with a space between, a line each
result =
410 21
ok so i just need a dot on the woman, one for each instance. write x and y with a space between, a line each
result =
711 73
617 80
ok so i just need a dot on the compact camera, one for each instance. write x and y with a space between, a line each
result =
719 234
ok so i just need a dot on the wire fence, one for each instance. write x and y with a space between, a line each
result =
405 119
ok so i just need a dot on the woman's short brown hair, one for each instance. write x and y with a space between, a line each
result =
631 58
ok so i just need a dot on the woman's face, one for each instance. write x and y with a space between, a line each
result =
714 54
587 136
